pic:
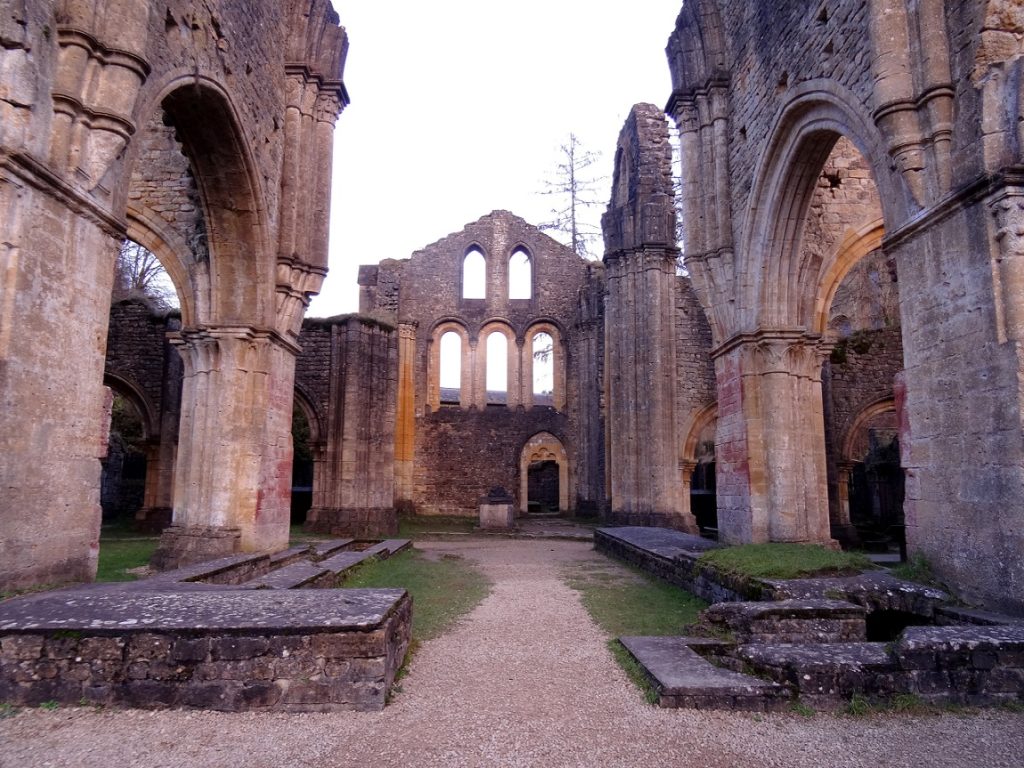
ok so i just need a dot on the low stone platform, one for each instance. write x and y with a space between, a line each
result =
810 636
240 633
232 650
683 678
674 557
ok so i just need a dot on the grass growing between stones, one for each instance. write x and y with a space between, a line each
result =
919 570
786 561
443 589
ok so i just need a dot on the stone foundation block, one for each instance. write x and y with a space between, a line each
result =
230 650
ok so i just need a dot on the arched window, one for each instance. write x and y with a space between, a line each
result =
450 367
474 275
543 364
497 363
520 277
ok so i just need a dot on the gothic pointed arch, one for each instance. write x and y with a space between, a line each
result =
544 447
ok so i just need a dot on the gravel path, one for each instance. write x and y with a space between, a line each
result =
524 680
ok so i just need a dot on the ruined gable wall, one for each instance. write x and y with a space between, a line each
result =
452 468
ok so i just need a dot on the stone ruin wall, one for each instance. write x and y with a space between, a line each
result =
163 186
354 474
695 370
775 46
138 351
451 469
461 455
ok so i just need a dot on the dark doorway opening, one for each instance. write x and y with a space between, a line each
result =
302 467
703 501
123 478
542 486
876 494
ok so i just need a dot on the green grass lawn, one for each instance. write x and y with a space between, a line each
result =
786 561
626 601
443 589
119 554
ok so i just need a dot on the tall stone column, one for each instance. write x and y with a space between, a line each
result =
355 495
405 418
233 475
771 477
70 82
56 274
645 481
157 511
640 308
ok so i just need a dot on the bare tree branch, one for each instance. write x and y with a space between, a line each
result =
138 273
575 191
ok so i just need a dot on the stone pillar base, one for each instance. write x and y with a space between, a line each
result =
686 523
183 545
152 519
365 523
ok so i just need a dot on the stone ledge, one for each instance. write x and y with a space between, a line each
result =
683 678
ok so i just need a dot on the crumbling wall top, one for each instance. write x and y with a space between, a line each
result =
642 210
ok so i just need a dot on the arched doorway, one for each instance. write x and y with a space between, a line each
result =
698 467
544 475
871 479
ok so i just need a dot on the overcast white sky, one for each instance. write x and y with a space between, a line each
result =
459 107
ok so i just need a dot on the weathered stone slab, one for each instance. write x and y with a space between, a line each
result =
665 542
683 678
297 575
233 569
290 555
389 547
221 609
875 590
957 614
826 673
322 549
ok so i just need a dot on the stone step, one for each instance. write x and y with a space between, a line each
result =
289 556
825 673
685 679
298 575
389 547
321 549
790 621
